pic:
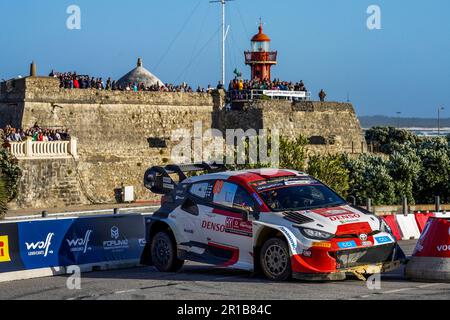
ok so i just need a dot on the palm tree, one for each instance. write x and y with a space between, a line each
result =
3 197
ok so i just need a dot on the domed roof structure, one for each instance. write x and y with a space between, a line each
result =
260 36
140 75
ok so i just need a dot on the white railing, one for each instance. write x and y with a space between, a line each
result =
250 95
30 149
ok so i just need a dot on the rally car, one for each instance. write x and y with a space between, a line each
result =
284 223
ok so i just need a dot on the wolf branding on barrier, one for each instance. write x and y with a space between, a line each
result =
80 244
40 247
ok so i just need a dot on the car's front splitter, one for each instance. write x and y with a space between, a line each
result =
361 272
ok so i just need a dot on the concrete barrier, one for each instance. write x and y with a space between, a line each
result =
45 247
408 226
431 256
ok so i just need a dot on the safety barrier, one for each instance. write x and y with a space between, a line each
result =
421 219
431 257
46 246
392 223
408 226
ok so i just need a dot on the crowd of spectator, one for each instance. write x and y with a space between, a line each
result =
72 80
10 134
256 84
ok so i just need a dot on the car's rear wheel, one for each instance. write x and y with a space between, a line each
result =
275 260
164 253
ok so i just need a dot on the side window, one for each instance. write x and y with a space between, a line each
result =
231 195
201 189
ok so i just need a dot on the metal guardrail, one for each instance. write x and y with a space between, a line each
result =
30 149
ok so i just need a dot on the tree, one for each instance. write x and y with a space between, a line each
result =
293 152
369 178
434 178
11 173
331 170
3 198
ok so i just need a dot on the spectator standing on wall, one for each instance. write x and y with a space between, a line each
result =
322 95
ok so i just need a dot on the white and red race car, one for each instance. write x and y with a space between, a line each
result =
281 222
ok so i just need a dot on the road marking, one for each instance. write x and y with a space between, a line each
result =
402 289
125 291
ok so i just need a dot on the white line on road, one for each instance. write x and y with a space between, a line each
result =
125 291
403 289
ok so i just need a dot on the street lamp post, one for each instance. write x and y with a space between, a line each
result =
439 120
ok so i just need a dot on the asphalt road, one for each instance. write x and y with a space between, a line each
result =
196 281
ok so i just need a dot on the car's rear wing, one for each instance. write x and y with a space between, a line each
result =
161 179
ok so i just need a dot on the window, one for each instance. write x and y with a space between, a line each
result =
231 195
301 197
201 189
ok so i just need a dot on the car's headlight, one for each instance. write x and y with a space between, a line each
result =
384 226
315 234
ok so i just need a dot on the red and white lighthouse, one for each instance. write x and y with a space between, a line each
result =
260 58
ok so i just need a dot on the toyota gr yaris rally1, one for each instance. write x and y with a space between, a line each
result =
281 222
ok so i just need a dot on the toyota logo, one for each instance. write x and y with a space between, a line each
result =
363 237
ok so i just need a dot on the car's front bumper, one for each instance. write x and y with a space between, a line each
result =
335 264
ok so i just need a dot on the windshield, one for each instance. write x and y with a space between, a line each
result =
301 197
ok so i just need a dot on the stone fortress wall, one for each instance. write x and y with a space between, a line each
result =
121 134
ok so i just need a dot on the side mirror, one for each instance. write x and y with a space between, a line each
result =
245 214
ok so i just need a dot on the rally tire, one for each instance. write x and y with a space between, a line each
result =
164 253
275 260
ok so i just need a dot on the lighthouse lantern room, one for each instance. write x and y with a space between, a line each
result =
260 58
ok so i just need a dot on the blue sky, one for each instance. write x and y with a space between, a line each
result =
403 67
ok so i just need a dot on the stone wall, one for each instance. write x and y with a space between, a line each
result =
332 126
49 183
116 133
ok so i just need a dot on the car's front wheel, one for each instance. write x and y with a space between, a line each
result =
275 260
164 253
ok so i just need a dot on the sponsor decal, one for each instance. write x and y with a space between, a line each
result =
383 239
80 244
336 211
443 247
294 182
238 226
257 198
142 242
347 244
321 244
363 237
115 243
40 248
269 186
345 217
4 249
167 180
114 232
306 253
366 243
291 238
209 225
218 186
